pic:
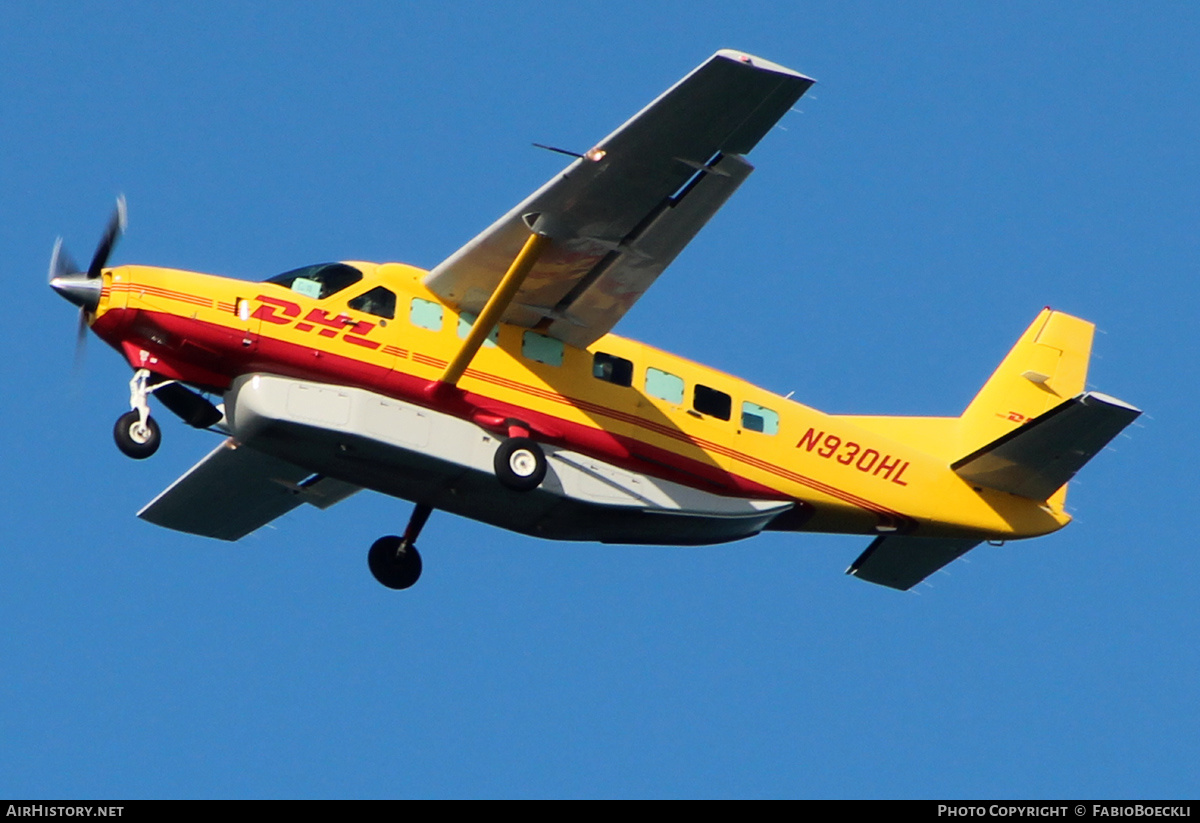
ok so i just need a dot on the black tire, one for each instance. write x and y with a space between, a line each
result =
520 464
394 564
132 440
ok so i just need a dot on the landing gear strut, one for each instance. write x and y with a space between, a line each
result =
137 435
394 560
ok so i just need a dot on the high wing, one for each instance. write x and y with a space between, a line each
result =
235 490
617 216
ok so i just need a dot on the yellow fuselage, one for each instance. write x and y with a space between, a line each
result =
845 474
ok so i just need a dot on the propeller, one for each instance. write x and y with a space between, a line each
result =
112 232
83 287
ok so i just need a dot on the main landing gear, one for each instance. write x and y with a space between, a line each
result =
137 435
520 464
394 560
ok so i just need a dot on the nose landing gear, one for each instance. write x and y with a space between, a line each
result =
136 433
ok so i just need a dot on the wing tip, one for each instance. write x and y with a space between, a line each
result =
760 63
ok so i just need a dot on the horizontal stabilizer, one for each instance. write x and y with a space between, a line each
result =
235 490
901 562
1036 459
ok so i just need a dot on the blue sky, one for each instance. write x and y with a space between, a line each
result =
957 167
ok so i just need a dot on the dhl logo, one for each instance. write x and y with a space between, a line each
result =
284 312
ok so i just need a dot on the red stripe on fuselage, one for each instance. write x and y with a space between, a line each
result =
166 294
306 363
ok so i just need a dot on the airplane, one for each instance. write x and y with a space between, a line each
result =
492 387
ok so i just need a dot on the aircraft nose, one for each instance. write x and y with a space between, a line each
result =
78 288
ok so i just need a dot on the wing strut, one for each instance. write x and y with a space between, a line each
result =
495 308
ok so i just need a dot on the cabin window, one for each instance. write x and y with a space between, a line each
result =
426 314
378 301
664 386
466 320
756 418
612 369
319 281
712 402
543 349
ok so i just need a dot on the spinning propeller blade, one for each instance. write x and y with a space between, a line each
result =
83 288
112 233
81 329
61 262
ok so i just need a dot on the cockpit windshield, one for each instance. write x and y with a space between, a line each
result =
318 281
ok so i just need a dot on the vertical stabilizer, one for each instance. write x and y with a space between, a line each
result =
1046 367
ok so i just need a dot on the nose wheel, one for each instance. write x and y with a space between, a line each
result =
394 560
136 433
137 438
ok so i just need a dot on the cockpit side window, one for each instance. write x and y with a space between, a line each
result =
319 281
378 301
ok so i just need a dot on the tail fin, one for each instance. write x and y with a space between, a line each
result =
1047 366
1032 426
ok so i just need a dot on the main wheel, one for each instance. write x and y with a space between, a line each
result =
520 464
134 439
394 564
